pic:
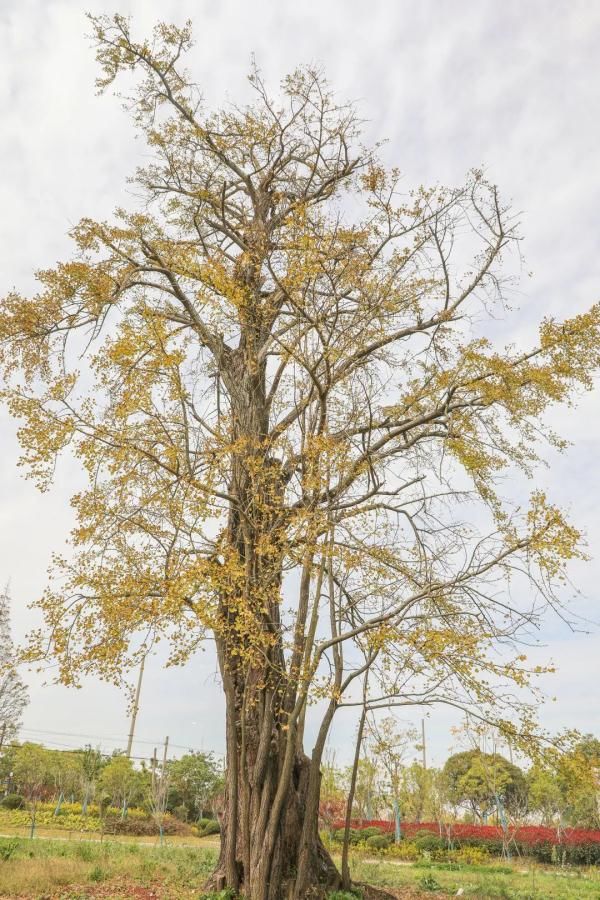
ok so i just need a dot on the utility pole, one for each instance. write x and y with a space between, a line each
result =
164 762
423 743
136 706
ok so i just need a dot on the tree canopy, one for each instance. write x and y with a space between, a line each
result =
13 693
484 781
276 371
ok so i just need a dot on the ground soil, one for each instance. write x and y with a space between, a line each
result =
114 889
124 889
406 893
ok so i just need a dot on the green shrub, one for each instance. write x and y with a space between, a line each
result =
405 850
345 895
181 812
379 841
140 826
371 831
561 854
211 827
427 842
12 801
471 856
355 835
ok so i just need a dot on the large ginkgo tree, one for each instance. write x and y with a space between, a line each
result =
275 370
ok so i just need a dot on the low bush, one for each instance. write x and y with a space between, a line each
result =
12 801
585 854
211 827
470 856
428 843
355 836
405 850
371 831
573 846
142 827
379 841
181 812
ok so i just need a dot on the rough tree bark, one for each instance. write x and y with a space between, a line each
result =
270 845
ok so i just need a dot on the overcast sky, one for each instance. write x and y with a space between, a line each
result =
512 86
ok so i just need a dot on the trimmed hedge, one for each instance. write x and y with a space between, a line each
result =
70 818
145 827
207 827
427 842
575 846
379 841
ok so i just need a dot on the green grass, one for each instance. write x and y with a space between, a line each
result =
71 869
47 867
521 880
77 834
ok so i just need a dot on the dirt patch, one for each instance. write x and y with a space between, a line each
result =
390 893
113 889
125 889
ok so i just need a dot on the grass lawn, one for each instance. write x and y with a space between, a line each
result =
518 881
82 869
116 870
75 834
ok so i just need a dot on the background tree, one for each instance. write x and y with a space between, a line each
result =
416 793
485 782
32 777
120 783
194 781
13 693
6 767
577 777
332 799
546 799
390 744
368 799
158 791
276 365
65 769
92 762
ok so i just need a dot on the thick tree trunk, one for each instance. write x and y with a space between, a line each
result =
267 869
270 845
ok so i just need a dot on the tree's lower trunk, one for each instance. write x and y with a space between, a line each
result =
270 844
266 862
